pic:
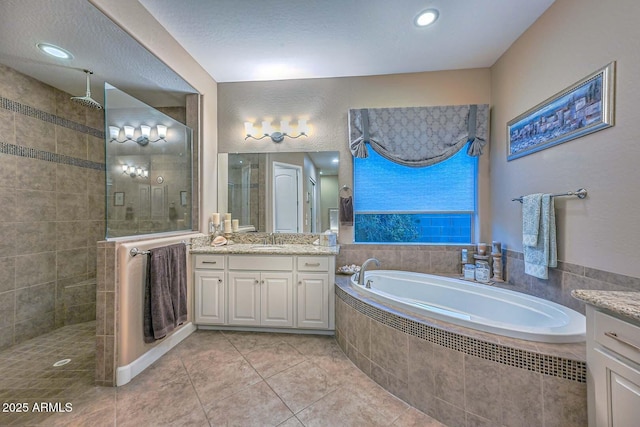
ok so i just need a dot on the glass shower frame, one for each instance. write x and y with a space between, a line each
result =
149 178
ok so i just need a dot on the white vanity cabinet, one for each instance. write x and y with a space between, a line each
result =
312 302
265 291
261 290
613 363
210 300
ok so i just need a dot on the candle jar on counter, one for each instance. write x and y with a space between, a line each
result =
482 271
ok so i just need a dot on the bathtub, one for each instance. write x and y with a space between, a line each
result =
476 306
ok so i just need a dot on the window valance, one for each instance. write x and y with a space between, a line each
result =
419 136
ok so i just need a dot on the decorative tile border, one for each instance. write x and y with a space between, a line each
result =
26 110
545 364
47 156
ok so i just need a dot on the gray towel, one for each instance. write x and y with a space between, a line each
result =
346 210
165 302
539 257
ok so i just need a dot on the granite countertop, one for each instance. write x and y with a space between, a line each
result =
624 303
286 249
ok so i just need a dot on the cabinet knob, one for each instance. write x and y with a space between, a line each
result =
219 280
257 281
299 282
262 282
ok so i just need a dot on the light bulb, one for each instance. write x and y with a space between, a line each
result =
284 127
114 132
128 132
162 131
303 128
266 128
145 131
248 129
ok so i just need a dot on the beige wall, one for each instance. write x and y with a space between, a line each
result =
570 41
325 102
132 17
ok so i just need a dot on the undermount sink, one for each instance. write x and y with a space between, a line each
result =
266 247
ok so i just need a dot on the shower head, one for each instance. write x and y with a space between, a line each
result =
86 100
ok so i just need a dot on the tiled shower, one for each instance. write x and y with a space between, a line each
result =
51 207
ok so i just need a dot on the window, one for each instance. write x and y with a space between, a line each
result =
396 203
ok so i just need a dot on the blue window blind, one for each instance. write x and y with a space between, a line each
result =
396 203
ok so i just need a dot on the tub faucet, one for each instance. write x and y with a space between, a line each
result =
364 267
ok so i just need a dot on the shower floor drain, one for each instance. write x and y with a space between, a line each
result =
61 362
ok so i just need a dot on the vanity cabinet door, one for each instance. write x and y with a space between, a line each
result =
209 297
276 299
244 298
313 300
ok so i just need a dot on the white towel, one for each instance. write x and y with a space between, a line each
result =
538 258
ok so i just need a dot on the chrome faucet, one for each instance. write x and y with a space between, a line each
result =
364 267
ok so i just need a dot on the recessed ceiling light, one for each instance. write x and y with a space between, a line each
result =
54 51
426 17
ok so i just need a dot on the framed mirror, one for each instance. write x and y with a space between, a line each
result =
279 192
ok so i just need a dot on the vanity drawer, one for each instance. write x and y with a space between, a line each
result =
617 335
211 262
313 263
261 262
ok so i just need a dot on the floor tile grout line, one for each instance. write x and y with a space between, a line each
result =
195 391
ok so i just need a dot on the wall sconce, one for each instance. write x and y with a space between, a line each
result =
275 135
143 139
135 171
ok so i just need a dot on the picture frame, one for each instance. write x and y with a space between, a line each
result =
118 198
583 108
183 198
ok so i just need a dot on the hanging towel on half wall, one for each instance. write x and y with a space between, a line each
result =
165 302
346 210
539 246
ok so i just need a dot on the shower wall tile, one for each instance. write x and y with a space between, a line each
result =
96 206
34 327
8 242
96 151
71 179
35 237
36 205
7 309
7 274
6 337
35 269
72 206
71 234
95 232
71 263
46 238
69 109
7 203
35 133
33 174
7 126
32 301
8 169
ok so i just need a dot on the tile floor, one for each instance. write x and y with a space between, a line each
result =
212 378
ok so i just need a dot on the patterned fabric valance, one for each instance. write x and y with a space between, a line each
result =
419 136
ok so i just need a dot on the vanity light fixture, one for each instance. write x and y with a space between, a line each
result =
426 17
135 171
143 139
276 135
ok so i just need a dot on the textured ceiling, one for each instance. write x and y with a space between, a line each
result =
249 40
96 43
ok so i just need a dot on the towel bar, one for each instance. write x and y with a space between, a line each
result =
135 251
580 194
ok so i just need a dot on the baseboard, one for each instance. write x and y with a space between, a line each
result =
124 374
